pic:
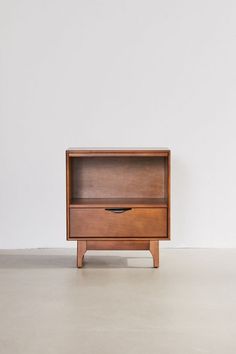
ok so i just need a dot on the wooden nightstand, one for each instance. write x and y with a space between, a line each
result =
118 199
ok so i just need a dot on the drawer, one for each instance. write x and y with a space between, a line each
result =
101 222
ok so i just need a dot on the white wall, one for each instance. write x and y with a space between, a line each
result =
117 73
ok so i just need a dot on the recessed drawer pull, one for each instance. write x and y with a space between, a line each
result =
118 210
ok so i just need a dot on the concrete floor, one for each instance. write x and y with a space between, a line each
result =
118 303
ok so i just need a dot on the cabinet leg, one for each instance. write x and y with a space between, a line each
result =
154 249
81 249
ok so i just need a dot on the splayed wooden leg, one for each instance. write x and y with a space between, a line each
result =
81 249
154 249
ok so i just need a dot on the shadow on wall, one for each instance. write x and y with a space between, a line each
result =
179 202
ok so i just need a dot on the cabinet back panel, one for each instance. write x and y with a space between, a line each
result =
118 177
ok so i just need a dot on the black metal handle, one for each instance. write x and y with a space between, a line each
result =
118 210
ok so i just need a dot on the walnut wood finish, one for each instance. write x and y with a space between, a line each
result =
154 249
136 222
117 245
118 177
138 179
83 246
79 152
118 202
81 249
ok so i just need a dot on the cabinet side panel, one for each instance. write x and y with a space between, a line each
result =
67 196
169 197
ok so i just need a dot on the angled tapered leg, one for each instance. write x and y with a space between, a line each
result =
154 249
81 249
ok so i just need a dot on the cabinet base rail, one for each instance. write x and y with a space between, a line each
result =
83 246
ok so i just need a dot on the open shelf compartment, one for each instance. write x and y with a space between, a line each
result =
120 181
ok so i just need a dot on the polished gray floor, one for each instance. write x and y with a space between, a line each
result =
117 303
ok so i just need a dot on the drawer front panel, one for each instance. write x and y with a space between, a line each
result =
136 222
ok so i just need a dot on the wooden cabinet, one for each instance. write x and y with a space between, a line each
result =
118 199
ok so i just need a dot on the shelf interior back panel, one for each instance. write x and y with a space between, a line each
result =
118 177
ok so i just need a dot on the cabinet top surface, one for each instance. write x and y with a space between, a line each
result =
115 150
118 148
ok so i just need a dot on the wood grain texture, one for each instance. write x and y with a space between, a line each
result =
137 222
77 152
118 202
117 245
68 195
81 249
154 249
118 177
169 195
137 178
